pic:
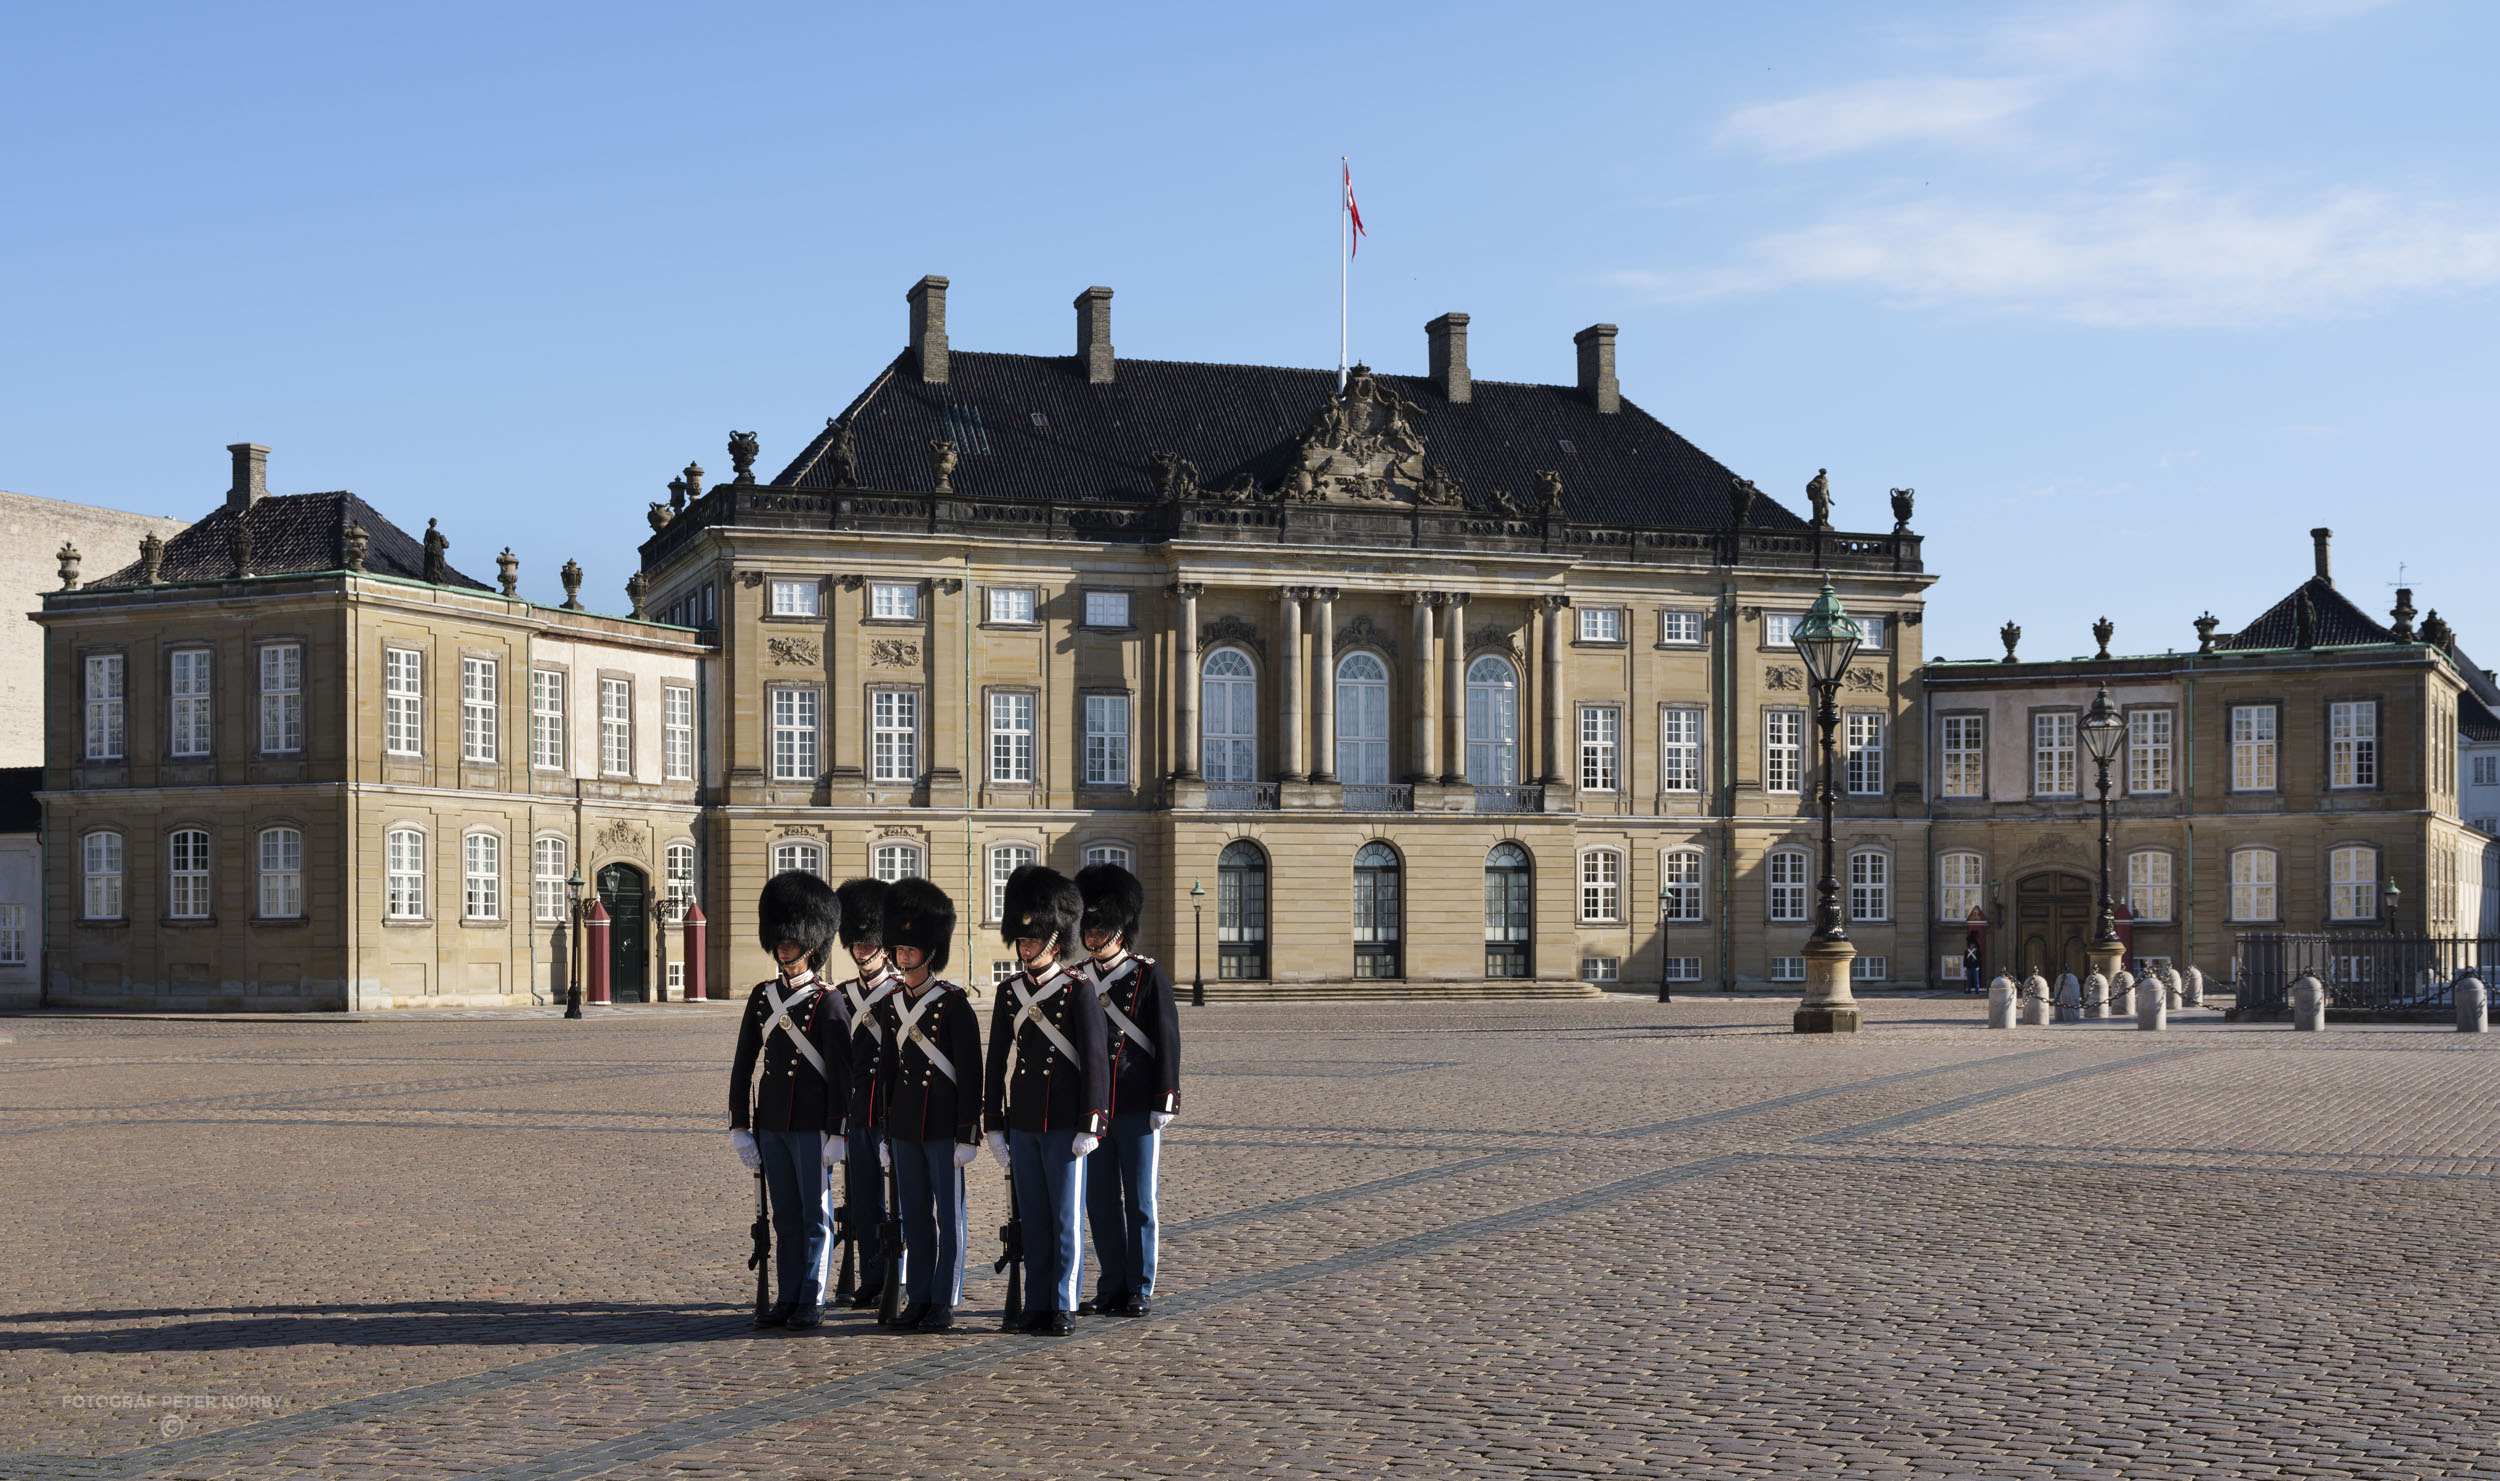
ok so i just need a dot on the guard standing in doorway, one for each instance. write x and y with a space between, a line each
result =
1143 1030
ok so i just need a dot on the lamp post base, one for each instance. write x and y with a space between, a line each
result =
2106 958
1828 1007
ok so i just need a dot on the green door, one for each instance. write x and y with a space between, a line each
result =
623 890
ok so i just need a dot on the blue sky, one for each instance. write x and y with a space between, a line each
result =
2133 293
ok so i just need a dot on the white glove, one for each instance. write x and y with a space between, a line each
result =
833 1151
1157 1120
965 1152
742 1141
1083 1143
997 1141
885 1153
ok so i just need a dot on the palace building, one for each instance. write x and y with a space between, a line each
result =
1430 684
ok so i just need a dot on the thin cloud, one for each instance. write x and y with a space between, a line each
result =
1871 115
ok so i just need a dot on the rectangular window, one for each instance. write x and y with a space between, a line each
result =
677 872
1598 727
2053 755
1110 853
1788 969
481 689
549 893
100 873
281 698
2252 750
1869 969
1783 750
616 726
1788 886
1679 750
1870 635
677 732
546 718
1601 969
1779 629
1862 737
1106 609
1949 970
281 873
893 601
12 935
481 876
794 735
1680 629
1965 752
2148 885
794 599
805 858
187 897
894 735
1958 887
1011 604
1601 888
188 727
2487 771
2353 874
1011 738
1680 875
1106 740
403 701
1005 860
2252 884
2148 751
2352 738
893 861
1870 886
1684 969
1601 624
403 874
104 708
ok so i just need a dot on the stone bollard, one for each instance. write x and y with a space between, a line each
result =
2152 1005
2122 994
2069 998
2171 988
2308 999
2192 991
2096 996
2473 1006
2001 1002
2035 1009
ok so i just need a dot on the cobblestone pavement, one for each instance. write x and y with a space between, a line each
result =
1571 1238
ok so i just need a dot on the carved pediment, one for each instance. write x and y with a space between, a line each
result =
1362 449
1494 636
1230 629
619 837
1362 632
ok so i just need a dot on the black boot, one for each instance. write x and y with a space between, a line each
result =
869 1299
778 1316
1055 1324
1138 1306
909 1317
937 1319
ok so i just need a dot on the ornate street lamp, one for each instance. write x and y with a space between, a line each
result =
1666 903
2394 897
1198 921
1827 639
573 963
2104 732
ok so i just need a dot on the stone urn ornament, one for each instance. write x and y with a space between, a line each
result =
1902 500
571 576
742 450
152 558
68 557
2102 632
637 586
2010 634
942 464
508 572
359 542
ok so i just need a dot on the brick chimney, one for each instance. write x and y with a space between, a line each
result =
1093 334
251 475
928 326
2319 537
1597 367
1447 339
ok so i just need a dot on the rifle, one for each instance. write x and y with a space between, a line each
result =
843 1289
761 1261
890 1235
1011 1260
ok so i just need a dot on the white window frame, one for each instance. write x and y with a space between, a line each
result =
2149 884
2352 745
1601 749
1013 606
547 688
1681 872
894 735
1601 969
893 601
12 935
676 733
191 716
1601 887
551 889
1680 731
1779 629
805 855
1783 752
1227 752
795 597
187 866
1869 969
1013 715
1786 899
1862 741
1111 853
1870 885
677 876
1005 859
2487 771
1788 969
796 732
1600 624
2253 898
1965 748
100 875
481 875
1106 740
403 874
2054 772
1108 610
1961 877
481 696
281 880
108 690
1872 631
616 726
2151 732
1678 628
2352 875
2256 732
403 702
892 859
281 698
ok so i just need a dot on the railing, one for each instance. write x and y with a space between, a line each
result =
1379 797
2396 975
1510 799
1241 796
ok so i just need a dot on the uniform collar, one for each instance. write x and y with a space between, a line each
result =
806 978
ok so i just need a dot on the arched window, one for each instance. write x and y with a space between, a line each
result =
1786 872
2353 870
1006 859
2252 885
1229 695
893 861
2148 885
481 877
1241 912
1492 723
186 894
1379 907
100 872
1509 911
281 873
807 857
1112 853
1679 874
1870 885
403 874
1957 886
1601 887
1362 720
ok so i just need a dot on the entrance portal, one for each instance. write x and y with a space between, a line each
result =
2052 921
623 889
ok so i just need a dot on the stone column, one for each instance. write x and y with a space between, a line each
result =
1323 683
1557 709
951 724
1454 689
1185 677
1423 764
1290 682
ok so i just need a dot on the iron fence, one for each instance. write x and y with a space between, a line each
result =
2383 975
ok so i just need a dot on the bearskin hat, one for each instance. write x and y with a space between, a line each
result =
1113 900
918 913
863 911
1041 903
797 906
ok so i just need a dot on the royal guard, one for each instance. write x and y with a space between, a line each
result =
928 1100
872 981
786 1114
1144 1034
1048 1091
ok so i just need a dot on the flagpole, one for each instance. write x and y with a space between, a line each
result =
1345 175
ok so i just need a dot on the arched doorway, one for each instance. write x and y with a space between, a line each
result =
1509 911
1241 912
626 892
1492 723
1379 912
2052 921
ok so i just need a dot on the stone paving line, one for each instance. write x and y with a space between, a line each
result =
661 1408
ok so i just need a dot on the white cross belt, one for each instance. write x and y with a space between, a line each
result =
911 1034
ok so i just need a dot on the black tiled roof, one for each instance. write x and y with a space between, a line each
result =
291 532
19 812
2475 718
2339 622
1033 427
